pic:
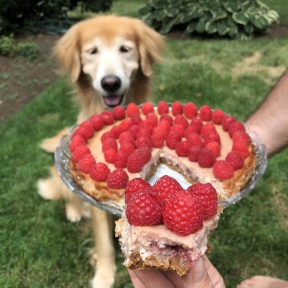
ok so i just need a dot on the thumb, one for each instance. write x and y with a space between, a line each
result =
197 276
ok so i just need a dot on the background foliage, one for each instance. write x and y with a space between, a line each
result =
10 47
18 13
223 18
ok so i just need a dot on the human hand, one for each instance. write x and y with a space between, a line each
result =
202 275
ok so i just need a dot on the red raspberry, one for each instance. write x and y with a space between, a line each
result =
134 129
76 141
183 213
165 186
160 132
190 129
135 185
223 170
99 172
88 126
241 147
235 159
107 135
135 162
116 130
79 152
172 139
218 116
85 162
227 121
136 119
144 209
241 135
152 119
208 196
109 143
147 125
178 129
164 124
197 124
190 110
128 147
132 109
97 122
120 159
109 155
206 158
207 129
126 136
157 141
167 118
205 113
235 126
193 153
163 107
180 119
212 137
119 113
177 108
144 132
143 141
214 146
182 148
145 152
147 108
126 124
194 139
107 117
117 179
81 131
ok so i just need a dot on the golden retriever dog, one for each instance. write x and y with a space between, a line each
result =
110 61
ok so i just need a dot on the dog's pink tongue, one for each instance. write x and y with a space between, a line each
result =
112 100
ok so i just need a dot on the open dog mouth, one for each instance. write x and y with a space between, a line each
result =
113 100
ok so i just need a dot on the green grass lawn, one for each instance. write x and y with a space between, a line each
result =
40 248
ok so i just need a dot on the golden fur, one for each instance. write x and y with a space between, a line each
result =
110 61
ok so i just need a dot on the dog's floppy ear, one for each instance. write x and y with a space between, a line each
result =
151 44
67 52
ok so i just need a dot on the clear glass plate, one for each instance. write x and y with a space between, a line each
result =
62 157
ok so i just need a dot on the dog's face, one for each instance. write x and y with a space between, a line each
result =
109 49
111 66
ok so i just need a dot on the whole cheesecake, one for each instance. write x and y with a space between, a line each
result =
203 145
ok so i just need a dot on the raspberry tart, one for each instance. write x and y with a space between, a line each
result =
203 145
165 226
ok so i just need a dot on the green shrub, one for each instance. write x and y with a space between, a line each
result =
9 47
15 14
27 50
224 18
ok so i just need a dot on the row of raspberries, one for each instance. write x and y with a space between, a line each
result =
129 143
182 211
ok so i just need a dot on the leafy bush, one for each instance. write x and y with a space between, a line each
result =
224 18
27 50
9 47
18 13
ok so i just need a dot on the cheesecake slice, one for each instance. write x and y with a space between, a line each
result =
156 247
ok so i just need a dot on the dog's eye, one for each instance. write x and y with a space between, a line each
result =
93 51
124 49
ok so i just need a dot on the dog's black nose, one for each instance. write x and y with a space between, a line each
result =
110 83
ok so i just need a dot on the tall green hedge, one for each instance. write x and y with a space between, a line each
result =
224 18
15 14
